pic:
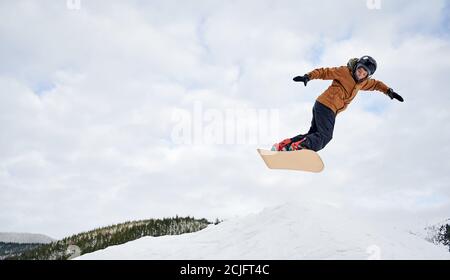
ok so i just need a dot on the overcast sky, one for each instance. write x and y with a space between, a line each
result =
89 95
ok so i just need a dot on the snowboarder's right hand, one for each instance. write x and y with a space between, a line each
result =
304 79
392 94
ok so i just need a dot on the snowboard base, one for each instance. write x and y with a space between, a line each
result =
302 160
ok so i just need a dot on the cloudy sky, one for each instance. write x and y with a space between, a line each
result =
92 98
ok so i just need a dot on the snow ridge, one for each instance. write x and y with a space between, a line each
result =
17 237
306 230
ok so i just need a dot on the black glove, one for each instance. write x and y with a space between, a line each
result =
304 79
392 94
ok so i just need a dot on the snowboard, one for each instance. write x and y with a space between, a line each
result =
302 160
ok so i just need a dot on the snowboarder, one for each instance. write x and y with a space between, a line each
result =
347 81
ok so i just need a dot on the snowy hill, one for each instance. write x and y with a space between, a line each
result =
313 230
16 237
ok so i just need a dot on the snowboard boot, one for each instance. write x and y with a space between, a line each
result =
299 145
282 146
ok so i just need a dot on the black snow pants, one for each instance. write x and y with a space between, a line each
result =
321 131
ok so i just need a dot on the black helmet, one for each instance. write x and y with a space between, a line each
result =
368 63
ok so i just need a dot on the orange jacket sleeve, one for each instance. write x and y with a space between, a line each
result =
327 73
373 84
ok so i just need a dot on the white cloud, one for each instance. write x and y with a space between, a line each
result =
94 147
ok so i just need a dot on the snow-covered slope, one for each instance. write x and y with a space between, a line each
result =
16 237
314 230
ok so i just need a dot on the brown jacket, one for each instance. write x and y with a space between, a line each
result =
344 88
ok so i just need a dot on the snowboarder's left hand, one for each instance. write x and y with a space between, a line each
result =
304 79
392 94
